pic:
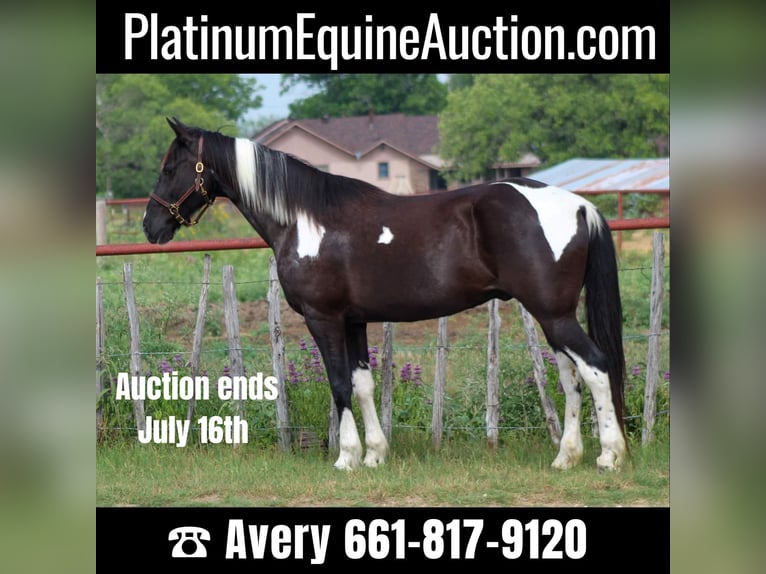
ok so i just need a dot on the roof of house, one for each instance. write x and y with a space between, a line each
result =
417 136
608 174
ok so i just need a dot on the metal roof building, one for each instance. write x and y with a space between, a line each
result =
607 174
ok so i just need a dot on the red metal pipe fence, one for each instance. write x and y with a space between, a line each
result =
618 225
258 243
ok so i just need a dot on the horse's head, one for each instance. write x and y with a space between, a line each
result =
180 190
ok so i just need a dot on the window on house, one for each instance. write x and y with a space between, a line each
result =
383 170
436 181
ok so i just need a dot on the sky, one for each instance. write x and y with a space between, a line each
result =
276 105
273 103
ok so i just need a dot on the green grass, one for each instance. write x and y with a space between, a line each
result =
461 473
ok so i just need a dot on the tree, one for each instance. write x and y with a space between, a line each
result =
132 134
556 117
230 94
357 94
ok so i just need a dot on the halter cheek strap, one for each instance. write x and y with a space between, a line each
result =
198 186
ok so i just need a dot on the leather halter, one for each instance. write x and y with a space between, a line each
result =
198 186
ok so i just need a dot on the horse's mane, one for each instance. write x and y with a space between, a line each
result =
279 183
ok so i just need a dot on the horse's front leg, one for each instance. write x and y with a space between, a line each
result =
364 390
330 337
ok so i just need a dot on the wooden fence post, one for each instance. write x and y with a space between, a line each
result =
655 326
101 238
99 354
440 376
387 379
493 346
135 342
199 327
549 407
278 357
232 329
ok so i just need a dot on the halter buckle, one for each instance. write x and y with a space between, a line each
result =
199 167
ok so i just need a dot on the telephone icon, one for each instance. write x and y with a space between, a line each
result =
186 535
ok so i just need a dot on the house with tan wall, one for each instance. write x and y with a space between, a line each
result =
394 152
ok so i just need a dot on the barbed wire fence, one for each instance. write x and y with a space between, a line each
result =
278 349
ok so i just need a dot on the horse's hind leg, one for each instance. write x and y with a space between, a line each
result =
613 446
364 390
567 337
330 337
570 448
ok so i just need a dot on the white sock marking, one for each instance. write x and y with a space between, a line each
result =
364 390
310 235
385 236
612 442
350 446
557 211
570 448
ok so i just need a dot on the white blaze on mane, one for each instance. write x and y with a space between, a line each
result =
261 179
244 151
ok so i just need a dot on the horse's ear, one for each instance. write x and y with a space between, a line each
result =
179 128
183 133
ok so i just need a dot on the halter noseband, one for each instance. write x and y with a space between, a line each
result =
198 186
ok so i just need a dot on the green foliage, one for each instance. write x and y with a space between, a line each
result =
356 94
556 117
132 134
230 94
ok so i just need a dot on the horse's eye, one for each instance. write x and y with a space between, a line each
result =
167 170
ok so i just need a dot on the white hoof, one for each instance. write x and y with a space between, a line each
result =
348 460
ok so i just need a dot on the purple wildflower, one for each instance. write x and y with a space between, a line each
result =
406 373
417 380
165 367
636 370
550 357
666 376
292 371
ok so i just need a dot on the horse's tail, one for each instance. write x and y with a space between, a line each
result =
604 306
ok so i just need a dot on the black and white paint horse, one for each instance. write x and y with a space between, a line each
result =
348 254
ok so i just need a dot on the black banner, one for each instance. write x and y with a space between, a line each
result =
246 539
221 38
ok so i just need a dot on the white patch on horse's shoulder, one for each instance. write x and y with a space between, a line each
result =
386 236
310 234
557 211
